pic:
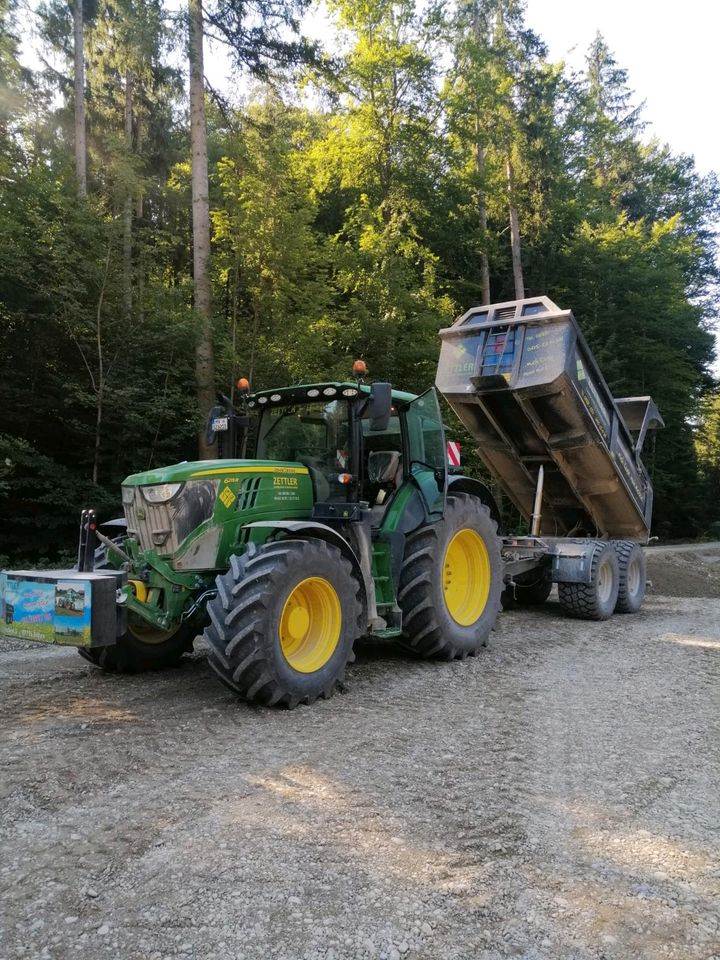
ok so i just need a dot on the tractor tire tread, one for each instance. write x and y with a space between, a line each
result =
423 634
239 656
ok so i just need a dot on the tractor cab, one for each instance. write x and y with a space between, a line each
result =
359 442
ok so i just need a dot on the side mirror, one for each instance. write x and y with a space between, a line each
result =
379 406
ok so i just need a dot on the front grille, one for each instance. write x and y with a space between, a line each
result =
150 524
164 526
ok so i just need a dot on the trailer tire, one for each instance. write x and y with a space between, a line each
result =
595 600
530 590
132 654
451 581
633 576
284 621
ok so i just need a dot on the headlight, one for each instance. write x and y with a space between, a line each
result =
128 494
161 492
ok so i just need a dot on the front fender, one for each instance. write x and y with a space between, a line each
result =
320 531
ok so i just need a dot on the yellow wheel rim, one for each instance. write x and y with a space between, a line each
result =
146 633
466 577
310 625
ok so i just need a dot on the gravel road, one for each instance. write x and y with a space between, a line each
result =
557 797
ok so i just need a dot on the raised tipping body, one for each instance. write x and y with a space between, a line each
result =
522 379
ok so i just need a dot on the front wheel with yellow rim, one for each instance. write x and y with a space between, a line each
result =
284 621
451 581
142 648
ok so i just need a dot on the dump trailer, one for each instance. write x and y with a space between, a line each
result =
522 379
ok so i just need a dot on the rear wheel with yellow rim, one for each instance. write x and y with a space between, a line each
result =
284 621
451 581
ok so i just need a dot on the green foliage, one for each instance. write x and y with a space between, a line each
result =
374 167
270 259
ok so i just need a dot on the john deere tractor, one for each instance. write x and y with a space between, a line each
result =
344 523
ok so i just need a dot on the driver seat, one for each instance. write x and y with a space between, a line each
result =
383 471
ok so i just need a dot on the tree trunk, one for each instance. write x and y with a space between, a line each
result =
128 208
480 171
235 298
482 216
80 140
515 234
140 298
204 358
99 382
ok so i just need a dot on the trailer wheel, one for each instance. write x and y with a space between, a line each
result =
142 648
530 590
633 576
451 581
595 600
284 621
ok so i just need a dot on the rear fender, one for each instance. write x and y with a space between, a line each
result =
476 488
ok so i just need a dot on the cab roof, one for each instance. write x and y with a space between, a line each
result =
306 393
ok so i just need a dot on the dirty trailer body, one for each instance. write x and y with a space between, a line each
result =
346 522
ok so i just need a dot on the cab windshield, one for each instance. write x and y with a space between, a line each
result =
314 434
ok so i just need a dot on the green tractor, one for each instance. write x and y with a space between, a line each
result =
344 523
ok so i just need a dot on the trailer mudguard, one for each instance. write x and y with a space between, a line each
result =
572 559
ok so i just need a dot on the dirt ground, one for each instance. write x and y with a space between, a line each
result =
557 797
685 571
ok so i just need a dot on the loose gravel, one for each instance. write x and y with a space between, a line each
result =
556 797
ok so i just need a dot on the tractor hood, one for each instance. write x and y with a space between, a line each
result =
194 513
195 469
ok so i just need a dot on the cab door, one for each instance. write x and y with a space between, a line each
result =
426 451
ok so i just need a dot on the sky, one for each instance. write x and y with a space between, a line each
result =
669 50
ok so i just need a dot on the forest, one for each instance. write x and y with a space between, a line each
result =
160 238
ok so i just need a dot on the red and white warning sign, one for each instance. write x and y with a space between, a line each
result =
453 453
